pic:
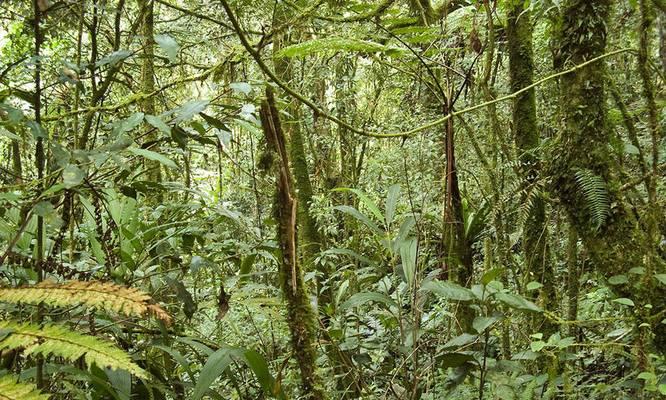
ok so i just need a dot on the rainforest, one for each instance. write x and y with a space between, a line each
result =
332 199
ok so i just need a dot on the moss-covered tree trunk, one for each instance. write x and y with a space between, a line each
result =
300 317
310 238
148 81
526 136
584 163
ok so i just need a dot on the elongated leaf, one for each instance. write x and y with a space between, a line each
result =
357 214
460 341
366 201
11 390
408 256
169 45
151 155
391 203
449 290
259 366
365 297
215 366
61 342
158 123
517 302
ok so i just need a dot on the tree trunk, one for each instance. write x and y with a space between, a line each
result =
148 83
300 317
526 136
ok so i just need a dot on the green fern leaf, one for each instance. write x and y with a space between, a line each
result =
11 390
595 193
102 295
61 342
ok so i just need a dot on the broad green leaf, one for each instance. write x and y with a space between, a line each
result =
215 366
533 286
356 214
113 58
72 176
151 155
128 123
491 275
366 201
624 301
661 278
242 87
453 359
408 257
359 299
391 202
158 123
350 253
449 290
517 302
169 45
618 280
190 109
480 324
259 366
537 346
460 341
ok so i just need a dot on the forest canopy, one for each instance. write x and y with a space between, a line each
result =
332 199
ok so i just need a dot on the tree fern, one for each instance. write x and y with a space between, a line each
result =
11 390
595 194
60 341
103 295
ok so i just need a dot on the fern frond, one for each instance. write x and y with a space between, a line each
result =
102 295
530 196
595 194
61 342
11 390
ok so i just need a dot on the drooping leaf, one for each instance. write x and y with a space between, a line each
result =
190 109
151 155
72 176
113 58
359 216
408 256
61 342
391 202
10 389
242 87
366 201
169 45
460 341
624 301
517 302
449 290
215 366
359 299
158 123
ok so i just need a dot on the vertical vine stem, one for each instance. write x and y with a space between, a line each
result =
39 161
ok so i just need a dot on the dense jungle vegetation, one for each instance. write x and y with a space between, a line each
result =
332 199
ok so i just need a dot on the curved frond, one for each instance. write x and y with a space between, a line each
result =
595 193
103 295
59 341
11 390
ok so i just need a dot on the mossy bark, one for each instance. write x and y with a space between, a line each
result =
583 145
310 238
148 81
300 317
526 137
